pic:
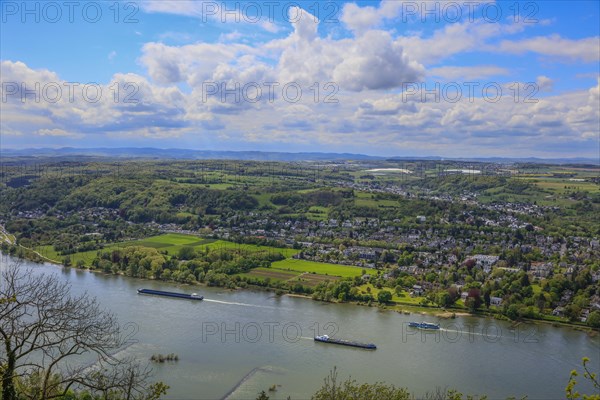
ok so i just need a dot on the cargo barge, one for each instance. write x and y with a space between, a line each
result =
192 296
327 339
424 325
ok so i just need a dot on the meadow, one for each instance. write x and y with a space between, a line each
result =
312 267
170 243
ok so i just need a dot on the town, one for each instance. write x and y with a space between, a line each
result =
448 247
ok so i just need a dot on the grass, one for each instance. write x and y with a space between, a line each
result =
343 271
558 185
318 213
86 256
364 199
273 275
247 248
404 297
169 242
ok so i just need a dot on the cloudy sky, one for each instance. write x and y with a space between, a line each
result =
379 77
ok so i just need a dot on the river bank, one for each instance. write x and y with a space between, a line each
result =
403 308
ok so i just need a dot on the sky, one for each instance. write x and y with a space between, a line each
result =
392 78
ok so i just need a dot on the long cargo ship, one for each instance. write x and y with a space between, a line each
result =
192 296
423 325
327 339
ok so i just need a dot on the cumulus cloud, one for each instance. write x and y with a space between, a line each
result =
376 62
127 103
371 61
359 19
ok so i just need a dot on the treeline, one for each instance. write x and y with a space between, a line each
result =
215 268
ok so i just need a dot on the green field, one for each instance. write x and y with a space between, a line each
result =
565 185
364 199
280 275
244 248
404 297
343 271
169 242
313 280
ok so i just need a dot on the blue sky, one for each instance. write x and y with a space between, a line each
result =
379 62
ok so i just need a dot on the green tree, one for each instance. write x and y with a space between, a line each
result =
350 389
186 253
384 296
473 301
593 319
512 312
444 299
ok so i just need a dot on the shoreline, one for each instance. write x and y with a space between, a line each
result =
395 307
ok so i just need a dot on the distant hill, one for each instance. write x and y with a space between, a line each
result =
154 153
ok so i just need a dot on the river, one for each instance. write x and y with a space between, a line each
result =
268 340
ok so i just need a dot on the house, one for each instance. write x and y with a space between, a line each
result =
495 301
585 313
417 290
541 269
485 262
558 312
566 297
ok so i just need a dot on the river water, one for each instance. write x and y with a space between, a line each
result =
237 343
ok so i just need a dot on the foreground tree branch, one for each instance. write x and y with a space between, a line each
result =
46 335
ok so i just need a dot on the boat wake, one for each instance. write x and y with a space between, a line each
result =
233 303
466 332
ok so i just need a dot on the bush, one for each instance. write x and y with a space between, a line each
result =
593 319
384 296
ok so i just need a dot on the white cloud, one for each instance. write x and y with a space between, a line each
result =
58 132
371 61
359 19
544 83
586 49
376 62
216 11
456 38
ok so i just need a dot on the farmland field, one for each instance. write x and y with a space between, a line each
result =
276 275
343 271
314 279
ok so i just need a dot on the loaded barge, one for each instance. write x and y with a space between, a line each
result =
192 296
327 339
424 325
